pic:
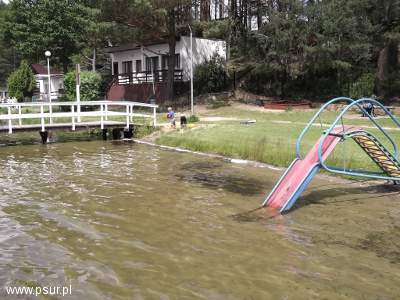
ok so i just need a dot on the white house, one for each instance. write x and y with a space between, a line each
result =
153 57
141 64
42 82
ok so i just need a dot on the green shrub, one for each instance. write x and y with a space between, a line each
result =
90 86
211 76
363 87
193 119
218 104
217 30
21 82
263 79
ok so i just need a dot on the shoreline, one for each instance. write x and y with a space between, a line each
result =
148 139
256 164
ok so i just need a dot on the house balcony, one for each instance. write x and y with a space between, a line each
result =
144 86
157 76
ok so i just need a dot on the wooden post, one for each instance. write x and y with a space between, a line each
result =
104 133
154 117
78 90
44 136
127 116
106 107
19 115
42 117
9 120
73 117
102 117
51 113
128 133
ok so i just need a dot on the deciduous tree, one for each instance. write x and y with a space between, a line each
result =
55 25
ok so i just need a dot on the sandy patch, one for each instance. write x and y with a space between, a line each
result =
217 119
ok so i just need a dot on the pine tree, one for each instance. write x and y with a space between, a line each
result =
21 82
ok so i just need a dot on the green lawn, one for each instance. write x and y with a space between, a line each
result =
270 140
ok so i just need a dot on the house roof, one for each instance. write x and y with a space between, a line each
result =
39 69
125 47
135 46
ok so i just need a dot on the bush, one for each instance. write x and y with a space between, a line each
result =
210 76
218 104
391 85
90 86
21 82
262 80
193 119
217 29
363 87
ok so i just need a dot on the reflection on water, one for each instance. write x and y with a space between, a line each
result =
136 222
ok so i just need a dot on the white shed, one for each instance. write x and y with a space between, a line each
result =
42 82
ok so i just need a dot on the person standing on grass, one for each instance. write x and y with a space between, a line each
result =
369 108
183 121
171 117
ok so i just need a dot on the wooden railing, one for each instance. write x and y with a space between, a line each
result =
100 109
147 77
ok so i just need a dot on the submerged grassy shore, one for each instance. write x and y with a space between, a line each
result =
272 138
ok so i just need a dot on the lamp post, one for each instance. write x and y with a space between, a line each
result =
191 70
48 54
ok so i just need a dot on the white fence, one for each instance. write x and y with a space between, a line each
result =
100 109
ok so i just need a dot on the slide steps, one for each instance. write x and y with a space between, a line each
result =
378 153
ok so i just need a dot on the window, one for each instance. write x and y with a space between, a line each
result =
164 61
138 65
177 61
148 64
46 88
152 63
115 68
127 67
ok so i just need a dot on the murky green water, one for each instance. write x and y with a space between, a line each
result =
136 222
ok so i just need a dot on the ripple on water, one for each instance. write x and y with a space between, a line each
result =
136 222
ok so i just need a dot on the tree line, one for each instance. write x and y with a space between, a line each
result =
280 48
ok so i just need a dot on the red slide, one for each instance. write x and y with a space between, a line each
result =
301 171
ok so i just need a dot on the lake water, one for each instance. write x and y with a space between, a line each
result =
128 221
